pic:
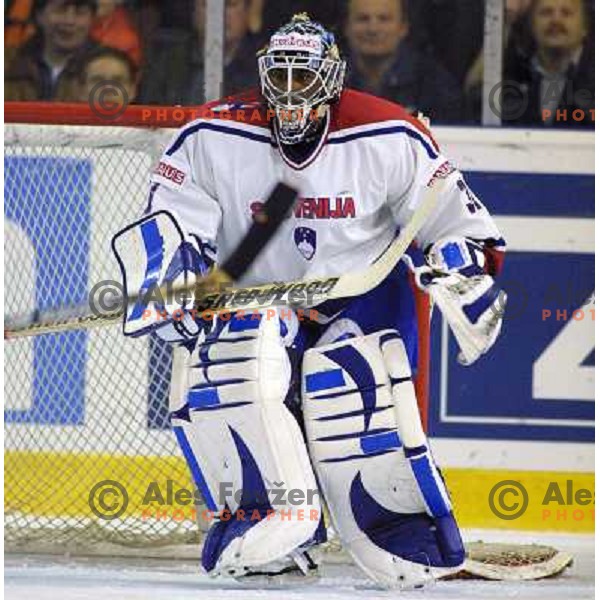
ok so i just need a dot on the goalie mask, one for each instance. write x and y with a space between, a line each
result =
301 72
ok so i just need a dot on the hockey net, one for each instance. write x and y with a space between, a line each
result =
86 406
85 410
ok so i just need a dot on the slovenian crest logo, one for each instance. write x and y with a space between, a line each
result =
306 241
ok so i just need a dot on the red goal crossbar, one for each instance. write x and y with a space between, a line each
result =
73 113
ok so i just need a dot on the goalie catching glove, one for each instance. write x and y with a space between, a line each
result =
453 274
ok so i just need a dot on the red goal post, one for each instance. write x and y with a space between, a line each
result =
84 407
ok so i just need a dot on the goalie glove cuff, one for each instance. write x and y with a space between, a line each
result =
448 256
457 255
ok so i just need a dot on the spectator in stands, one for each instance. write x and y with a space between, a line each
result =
44 68
101 65
18 22
175 65
556 76
113 27
383 61
450 30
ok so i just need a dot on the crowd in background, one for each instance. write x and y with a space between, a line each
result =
424 54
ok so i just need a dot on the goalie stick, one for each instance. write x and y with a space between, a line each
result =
313 291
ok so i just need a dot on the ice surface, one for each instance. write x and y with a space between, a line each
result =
67 578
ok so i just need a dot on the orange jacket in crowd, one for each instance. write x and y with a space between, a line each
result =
117 30
18 25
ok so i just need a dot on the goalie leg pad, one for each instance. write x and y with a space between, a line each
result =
244 448
386 499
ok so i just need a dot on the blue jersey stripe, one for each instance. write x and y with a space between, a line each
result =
388 131
431 152
265 139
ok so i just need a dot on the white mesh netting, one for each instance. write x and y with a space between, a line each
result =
84 406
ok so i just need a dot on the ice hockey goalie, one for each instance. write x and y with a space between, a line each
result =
279 415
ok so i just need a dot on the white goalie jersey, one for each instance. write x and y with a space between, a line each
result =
356 188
